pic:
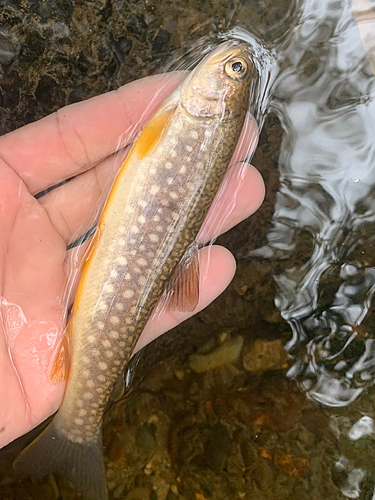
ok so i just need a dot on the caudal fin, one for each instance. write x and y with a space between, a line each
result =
82 463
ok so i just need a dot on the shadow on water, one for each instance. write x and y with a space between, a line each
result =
263 424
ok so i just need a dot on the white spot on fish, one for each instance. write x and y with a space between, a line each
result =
78 440
173 153
85 359
117 361
134 229
101 378
183 169
156 218
88 427
79 402
142 280
82 412
142 203
188 148
141 219
91 339
114 273
173 195
128 321
142 262
119 306
109 354
153 237
160 210
128 276
106 343
169 181
114 334
168 165
152 170
122 230
102 306
114 320
102 365
194 134
122 241
90 383
128 294
154 189
137 270
99 390
87 395
173 141
122 261
159 228
100 325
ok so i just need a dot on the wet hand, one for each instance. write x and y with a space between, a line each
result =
39 268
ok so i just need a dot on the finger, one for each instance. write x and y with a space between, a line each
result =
217 267
75 207
79 136
70 207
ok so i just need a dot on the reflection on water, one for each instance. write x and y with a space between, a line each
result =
327 168
324 96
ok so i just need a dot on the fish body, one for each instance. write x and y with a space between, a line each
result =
146 238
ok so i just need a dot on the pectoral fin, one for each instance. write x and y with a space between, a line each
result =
152 132
182 293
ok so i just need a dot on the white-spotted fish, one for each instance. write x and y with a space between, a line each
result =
145 245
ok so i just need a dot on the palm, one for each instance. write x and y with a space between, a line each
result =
38 275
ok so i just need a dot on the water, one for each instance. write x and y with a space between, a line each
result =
306 261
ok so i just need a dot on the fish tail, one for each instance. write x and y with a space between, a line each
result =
82 463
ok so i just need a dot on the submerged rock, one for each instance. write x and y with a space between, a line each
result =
262 355
225 354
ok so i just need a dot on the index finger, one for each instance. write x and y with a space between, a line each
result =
79 136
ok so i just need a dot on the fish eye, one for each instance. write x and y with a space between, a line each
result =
236 68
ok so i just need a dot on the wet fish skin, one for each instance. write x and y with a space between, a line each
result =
150 222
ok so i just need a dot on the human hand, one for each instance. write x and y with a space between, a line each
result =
39 275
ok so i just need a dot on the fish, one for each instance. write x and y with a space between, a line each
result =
144 253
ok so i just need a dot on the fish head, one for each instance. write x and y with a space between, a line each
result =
219 87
